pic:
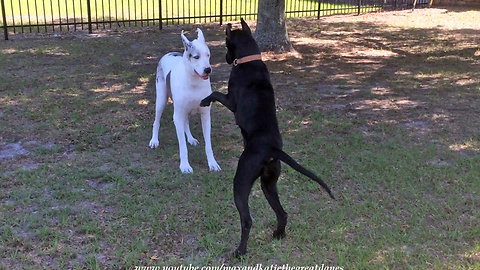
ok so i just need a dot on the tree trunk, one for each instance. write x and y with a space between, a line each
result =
271 33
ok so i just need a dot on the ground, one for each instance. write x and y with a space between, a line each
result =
384 107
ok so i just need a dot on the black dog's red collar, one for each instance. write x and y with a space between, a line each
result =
247 59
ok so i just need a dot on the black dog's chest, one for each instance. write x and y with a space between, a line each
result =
255 114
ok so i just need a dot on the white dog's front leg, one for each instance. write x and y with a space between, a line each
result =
179 120
206 127
190 138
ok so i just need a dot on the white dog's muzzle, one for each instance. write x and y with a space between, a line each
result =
206 73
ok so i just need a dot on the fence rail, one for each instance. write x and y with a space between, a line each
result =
46 16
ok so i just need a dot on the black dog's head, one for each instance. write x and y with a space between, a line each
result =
240 43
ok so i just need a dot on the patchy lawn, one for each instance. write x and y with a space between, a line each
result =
383 106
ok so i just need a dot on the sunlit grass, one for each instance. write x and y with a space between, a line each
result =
41 12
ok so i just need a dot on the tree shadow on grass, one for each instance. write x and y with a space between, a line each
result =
418 74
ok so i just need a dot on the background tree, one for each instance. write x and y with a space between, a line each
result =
271 33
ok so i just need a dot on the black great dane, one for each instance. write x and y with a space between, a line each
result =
250 97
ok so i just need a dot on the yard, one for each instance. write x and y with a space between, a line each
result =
384 107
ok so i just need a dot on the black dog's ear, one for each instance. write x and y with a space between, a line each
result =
245 26
228 30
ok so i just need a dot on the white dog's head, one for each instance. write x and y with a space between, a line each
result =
197 55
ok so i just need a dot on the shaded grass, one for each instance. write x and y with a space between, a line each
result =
389 122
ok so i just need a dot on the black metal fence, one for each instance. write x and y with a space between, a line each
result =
46 16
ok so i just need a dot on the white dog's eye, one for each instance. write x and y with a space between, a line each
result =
197 57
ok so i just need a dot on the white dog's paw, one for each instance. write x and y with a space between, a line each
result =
186 168
193 141
153 143
214 166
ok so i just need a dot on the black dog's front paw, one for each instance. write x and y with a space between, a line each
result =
205 102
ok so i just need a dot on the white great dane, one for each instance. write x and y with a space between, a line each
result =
185 79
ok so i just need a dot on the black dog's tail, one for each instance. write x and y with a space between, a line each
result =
279 154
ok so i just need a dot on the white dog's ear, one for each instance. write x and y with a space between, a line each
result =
200 36
187 43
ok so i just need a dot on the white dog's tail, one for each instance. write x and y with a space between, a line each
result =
160 77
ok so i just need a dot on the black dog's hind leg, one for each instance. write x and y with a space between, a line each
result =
242 192
248 170
217 96
269 179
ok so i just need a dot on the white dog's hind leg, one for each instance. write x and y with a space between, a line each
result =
179 119
190 138
207 127
160 101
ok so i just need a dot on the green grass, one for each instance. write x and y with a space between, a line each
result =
385 114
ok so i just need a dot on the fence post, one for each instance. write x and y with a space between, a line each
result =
221 12
319 9
160 17
5 26
359 6
89 12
